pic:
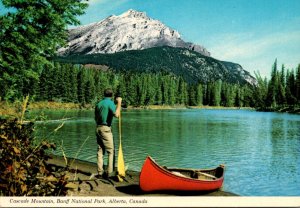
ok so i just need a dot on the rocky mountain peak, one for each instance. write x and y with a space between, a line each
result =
132 30
131 13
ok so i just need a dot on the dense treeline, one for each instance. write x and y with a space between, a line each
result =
77 84
74 83
281 92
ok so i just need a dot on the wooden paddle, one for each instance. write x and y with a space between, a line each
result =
121 163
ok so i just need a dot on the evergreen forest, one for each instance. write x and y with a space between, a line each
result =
74 83
78 84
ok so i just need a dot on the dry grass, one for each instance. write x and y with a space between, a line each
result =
53 105
159 107
169 107
16 109
218 107
10 109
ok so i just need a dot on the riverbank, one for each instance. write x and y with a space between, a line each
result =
84 185
14 109
73 106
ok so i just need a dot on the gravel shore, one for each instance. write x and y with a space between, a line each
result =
81 171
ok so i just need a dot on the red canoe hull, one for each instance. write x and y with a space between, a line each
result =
156 178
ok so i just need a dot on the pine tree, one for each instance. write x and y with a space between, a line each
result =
192 95
121 89
290 88
238 97
231 95
101 83
205 94
81 86
134 84
248 96
164 89
272 87
59 80
158 94
151 89
298 84
260 91
73 86
44 84
215 93
280 95
227 95
89 91
182 89
139 88
67 72
52 82
172 90
199 95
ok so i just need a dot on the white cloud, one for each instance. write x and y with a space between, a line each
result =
258 53
235 46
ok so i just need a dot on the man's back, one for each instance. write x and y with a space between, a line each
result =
104 112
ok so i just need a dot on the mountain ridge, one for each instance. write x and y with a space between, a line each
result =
192 66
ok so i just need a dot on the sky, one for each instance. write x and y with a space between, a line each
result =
252 33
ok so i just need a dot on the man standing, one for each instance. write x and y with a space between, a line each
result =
105 110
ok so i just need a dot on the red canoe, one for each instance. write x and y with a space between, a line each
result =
157 178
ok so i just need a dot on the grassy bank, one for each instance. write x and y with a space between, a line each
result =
54 105
13 109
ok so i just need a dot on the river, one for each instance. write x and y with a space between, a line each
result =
261 150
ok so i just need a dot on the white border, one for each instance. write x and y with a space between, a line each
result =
141 201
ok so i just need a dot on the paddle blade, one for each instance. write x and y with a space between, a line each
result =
121 163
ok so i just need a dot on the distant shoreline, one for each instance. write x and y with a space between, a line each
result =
58 105
12 109
76 106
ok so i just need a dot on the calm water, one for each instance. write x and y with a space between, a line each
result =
260 150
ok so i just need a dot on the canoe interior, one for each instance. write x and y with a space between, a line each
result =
208 174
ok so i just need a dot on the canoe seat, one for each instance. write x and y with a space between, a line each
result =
179 174
205 176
